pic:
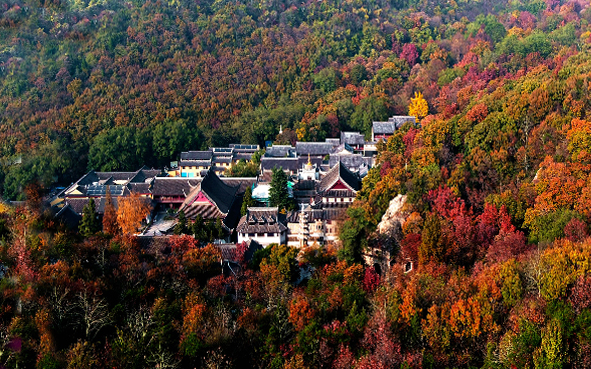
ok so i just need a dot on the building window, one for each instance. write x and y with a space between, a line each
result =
183 174
270 234
251 235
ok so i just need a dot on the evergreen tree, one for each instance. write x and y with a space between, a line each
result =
198 228
209 230
219 229
353 235
247 202
181 226
90 223
278 194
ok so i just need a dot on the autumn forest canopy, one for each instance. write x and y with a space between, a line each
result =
496 179
112 85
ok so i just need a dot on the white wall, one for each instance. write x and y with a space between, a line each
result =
264 240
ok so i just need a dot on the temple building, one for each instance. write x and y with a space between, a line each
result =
95 185
263 225
213 199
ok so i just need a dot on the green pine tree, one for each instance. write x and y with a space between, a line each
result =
247 202
90 220
219 229
278 194
198 228
181 226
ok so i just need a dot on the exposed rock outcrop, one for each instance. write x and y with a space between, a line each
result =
386 241
393 218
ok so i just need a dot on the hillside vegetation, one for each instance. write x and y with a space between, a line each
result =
496 179
112 85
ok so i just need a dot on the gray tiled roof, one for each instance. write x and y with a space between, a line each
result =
247 156
196 155
291 164
68 216
392 124
352 138
262 220
280 151
205 210
341 148
142 188
78 205
116 176
314 148
313 214
241 182
174 186
353 162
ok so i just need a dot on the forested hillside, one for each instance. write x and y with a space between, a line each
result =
112 85
496 179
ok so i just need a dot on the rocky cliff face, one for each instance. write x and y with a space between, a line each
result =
388 235
393 218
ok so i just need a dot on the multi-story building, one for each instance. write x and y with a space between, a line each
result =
195 164
263 225
317 222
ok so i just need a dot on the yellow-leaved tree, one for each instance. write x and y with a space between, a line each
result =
418 106
131 211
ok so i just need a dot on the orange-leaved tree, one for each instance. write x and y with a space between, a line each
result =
131 211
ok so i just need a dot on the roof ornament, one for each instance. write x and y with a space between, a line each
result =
309 165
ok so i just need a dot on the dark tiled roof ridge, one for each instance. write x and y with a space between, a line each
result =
81 180
218 192
339 171
196 155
